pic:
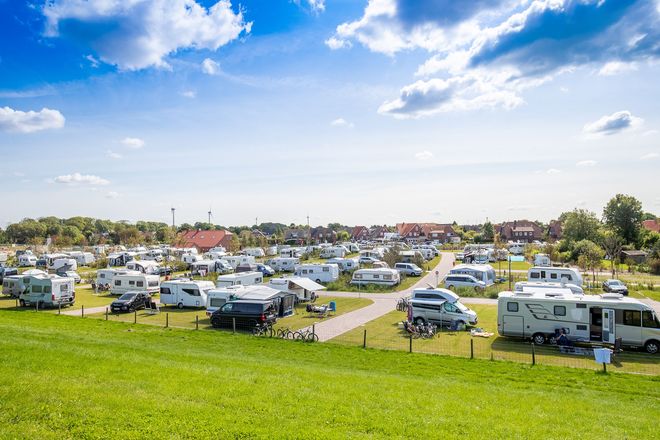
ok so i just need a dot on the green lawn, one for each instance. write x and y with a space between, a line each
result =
68 377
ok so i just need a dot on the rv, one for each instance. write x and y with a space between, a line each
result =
48 291
216 298
352 247
345 264
135 281
555 274
588 318
321 273
156 255
542 260
410 256
528 285
254 252
190 258
290 253
144 266
14 285
304 288
82 258
517 248
204 267
240 279
283 264
63 265
383 277
120 258
235 260
376 253
425 252
185 293
106 276
334 252
271 251
482 272
27 260
434 294
215 255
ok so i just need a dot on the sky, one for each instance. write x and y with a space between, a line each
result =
352 111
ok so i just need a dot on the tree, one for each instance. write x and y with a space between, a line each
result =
391 256
488 232
343 236
130 236
623 214
580 224
165 234
235 244
612 245
590 256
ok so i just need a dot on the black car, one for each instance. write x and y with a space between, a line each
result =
130 301
163 271
246 313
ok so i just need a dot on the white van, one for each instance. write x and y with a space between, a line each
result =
453 281
239 279
442 313
555 274
27 260
185 293
134 281
321 273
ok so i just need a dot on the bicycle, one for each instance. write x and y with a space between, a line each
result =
264 329
285 333
402 304
306 336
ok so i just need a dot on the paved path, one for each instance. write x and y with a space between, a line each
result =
90 310
383 303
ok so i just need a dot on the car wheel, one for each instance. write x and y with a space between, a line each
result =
538 338
450 287
652 347
180 305
215 323
318 281
22 303
419 320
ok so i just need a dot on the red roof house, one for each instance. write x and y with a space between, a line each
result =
205 240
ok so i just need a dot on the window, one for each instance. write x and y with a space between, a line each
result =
450 308
165 291
357 276
512 307
560 310
117 282
567 277
102 275
131 282
632 317
376 277
36 289
217 302
553 276
648 320
192 292
534 275
580 306
153 283
140 283
63 288
326 269
387 277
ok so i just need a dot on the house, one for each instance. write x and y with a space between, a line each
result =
651 225
204 241
554 230
360 233
520 230
378 232
295 236
638 257
323 235
418 232
410 232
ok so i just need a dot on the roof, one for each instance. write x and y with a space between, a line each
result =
304 283
651 225
204 239
635 253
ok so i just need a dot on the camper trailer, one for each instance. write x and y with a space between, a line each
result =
482 272
529 285
185 293
27 260
283 264
157 255
383 277
120 258
334 252
426 252
254 252
189 259
48 291
218 297
144 266
321 273
304 288
82 258
345 264
63 265
235 260
555 274
588 318
376 253
135 281
239 279
542 260
410 256
106 276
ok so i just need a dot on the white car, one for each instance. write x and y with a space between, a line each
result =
71 274
459 280
368 260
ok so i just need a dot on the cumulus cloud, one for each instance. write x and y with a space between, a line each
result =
586 163
613 124
137 34
316 6
82 179
189 94
28 122
112 155
424 155
112 195
341 122
616 68
134 143
650 156
335 43
210 67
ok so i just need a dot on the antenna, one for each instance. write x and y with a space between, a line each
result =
173 224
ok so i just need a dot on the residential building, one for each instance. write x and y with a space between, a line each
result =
295 236
360 233
204 240
420 232
323 235
651 225
519 230
554 230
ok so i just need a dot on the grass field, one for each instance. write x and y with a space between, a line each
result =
68 377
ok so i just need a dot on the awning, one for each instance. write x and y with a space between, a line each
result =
307 284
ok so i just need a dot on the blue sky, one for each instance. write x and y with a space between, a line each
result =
361 112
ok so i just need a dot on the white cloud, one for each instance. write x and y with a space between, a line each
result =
131 142
112 195
210 67
92 61
341 122
28 122
553 171
189 94
335 43
612 124
650 156
112 155
83 179
140 33
650 133
563 89
586 163
616 68
424 155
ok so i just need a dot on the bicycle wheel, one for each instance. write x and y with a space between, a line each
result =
312 337
270 332
290 334
256 331
297 336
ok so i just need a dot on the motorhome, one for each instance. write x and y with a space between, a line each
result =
235 260
254 252
321 273
376 253
411 256
587 318
27 260
48 291
527 285
482 272
271 251
122 283
120 258
517 248
334 252
426 253
239 279
290 252
82 258
106 276
433 249
384 277
14 285
218 297
304 288
345 264
185 293
555 274
283 264
144 266
215 255
157 255
542 260
352 247
205 267
190 258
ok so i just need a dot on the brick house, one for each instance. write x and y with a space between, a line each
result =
419 232
360 233
205 240
554 230
519 230
651 225
297 236
323 235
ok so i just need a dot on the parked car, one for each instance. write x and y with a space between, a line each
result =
460 280
71 274
408 269
42 262
246 313
265 270
615 286
130 301
368 260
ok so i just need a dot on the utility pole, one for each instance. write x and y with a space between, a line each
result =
209 216
173 224
256 222
309 231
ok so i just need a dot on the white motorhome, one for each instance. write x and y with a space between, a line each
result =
157 255
215 255
144 266
14 285
321 273
555 274
352 247
27 260
376 253
586 318
283 264
48 291
426 252
290 252
517 248
304 288
82 258
218 297
134 281
482 272
334 252
542 260
254 252
239 279
345 264
106 276
189 258
528 285
381 276
236 260
271 251
185 293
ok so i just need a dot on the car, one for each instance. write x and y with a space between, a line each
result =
71 274
409 269
164 271
368 260
265 270
130 302
615 286
246 314
453 281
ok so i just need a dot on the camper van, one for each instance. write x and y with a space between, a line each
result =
345 264
283 264
185 293
321 273
239 279
529 285
555 274
144 266
482 272
383 277
441 312
588 318
27 260
236 260
82 258
304 288
48 291
434 294
124 282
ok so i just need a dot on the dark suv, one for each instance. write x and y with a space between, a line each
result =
130 301
247 313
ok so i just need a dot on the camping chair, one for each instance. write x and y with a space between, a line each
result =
152 308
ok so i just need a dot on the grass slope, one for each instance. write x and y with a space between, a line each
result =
67 377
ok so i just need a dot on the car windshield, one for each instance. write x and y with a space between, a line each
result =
127 296
461 307
415 267
615 283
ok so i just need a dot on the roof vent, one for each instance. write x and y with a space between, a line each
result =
611 295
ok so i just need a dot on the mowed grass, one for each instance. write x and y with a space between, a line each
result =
388 333
69 377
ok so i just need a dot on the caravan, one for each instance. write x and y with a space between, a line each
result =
481 272
48 291
27 260
555 274
321 273
283 264
334 252
254 252
136 281
82 258
588 318
345 264
521 286
144 266
185 293
236 260
239 279
381 276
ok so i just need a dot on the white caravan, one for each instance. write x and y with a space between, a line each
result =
63 265
239 279
529 285
134 281
271 251
204 267
381 276
427 254
27 260
190 258
304 288
334 252
254 252
283 264
321 273
542 260
345 264
157 255
144 266
376 253
185 293
218 297
236 260
555 274
291 253
215 255
482 272
48 291
588 318
82 258
106 276
352 247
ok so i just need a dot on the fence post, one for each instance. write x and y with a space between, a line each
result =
491 355
36 306
106 313
410 343
16 302
59 308
471 348
364 339
314 329
604 367
167 319
233 325
134 316
196 322
82 308
533 355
